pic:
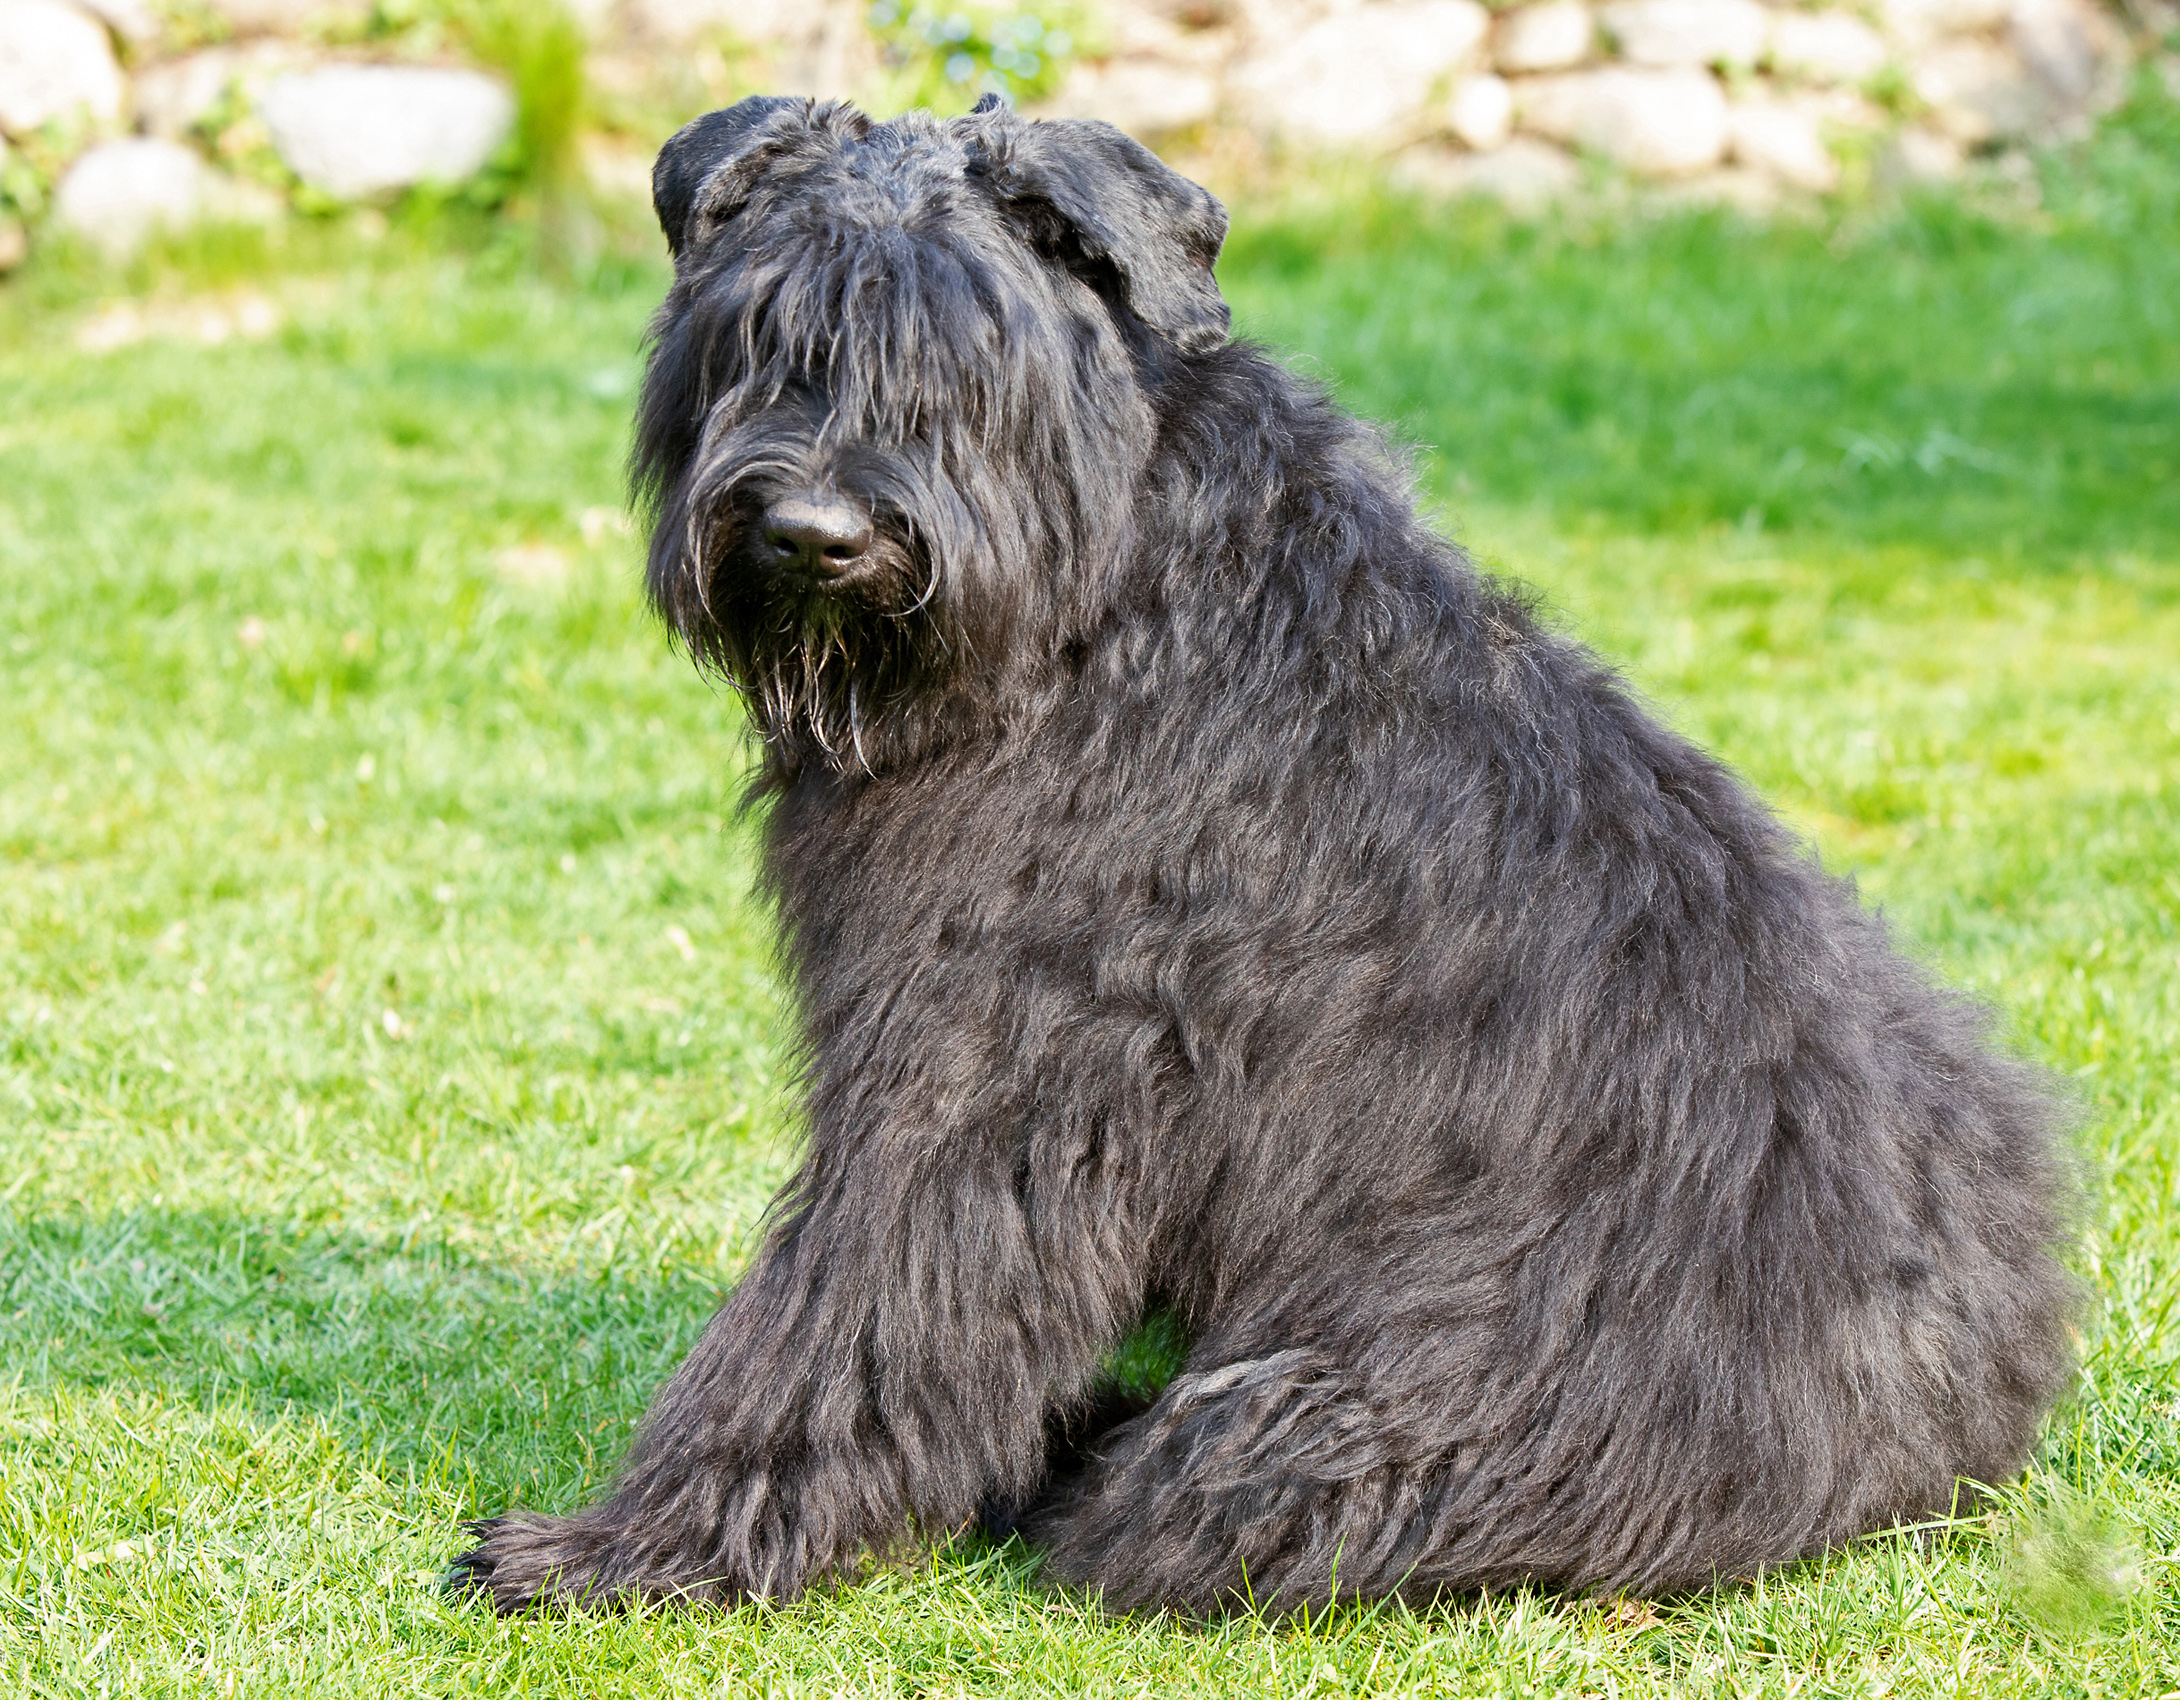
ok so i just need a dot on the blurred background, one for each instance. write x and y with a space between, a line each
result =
126 117
393 1066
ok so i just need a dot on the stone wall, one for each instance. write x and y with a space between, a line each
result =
118 117
1748 101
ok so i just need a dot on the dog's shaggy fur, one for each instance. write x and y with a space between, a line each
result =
1204 890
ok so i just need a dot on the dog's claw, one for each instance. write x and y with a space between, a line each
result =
471 1574
522 1564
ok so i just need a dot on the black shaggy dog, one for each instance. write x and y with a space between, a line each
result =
1206 892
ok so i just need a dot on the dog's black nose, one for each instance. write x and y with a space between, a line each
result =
823 538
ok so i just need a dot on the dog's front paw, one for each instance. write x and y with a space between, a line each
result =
522 1563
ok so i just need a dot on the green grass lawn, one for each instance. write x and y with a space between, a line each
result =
390 1051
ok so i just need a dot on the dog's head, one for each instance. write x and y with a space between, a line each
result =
899 395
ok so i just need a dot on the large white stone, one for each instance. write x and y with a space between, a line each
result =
2068 48
121 192
1659 123
1554 36
1480 112
353 131
1826 47
1673 33
55 62
1142 96
1783 140
1978 92
1362 74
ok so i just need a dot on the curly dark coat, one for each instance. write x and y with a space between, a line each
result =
1204 890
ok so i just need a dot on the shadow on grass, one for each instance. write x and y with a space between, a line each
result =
530 1380
442 1364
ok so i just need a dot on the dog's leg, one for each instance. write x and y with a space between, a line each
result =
884 1369
1640 1452
1072 1435
1269 1479
1286 1479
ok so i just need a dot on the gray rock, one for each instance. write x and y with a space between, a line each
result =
1978 92
1554 36
1688 33
2072 51
1826 47
1658 123
354 131
1525 175
1361 75
55 63
120 193
1782 140
1480 112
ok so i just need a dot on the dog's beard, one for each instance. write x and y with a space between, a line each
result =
825 669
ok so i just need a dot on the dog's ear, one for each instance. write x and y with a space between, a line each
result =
698 149
1125 206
